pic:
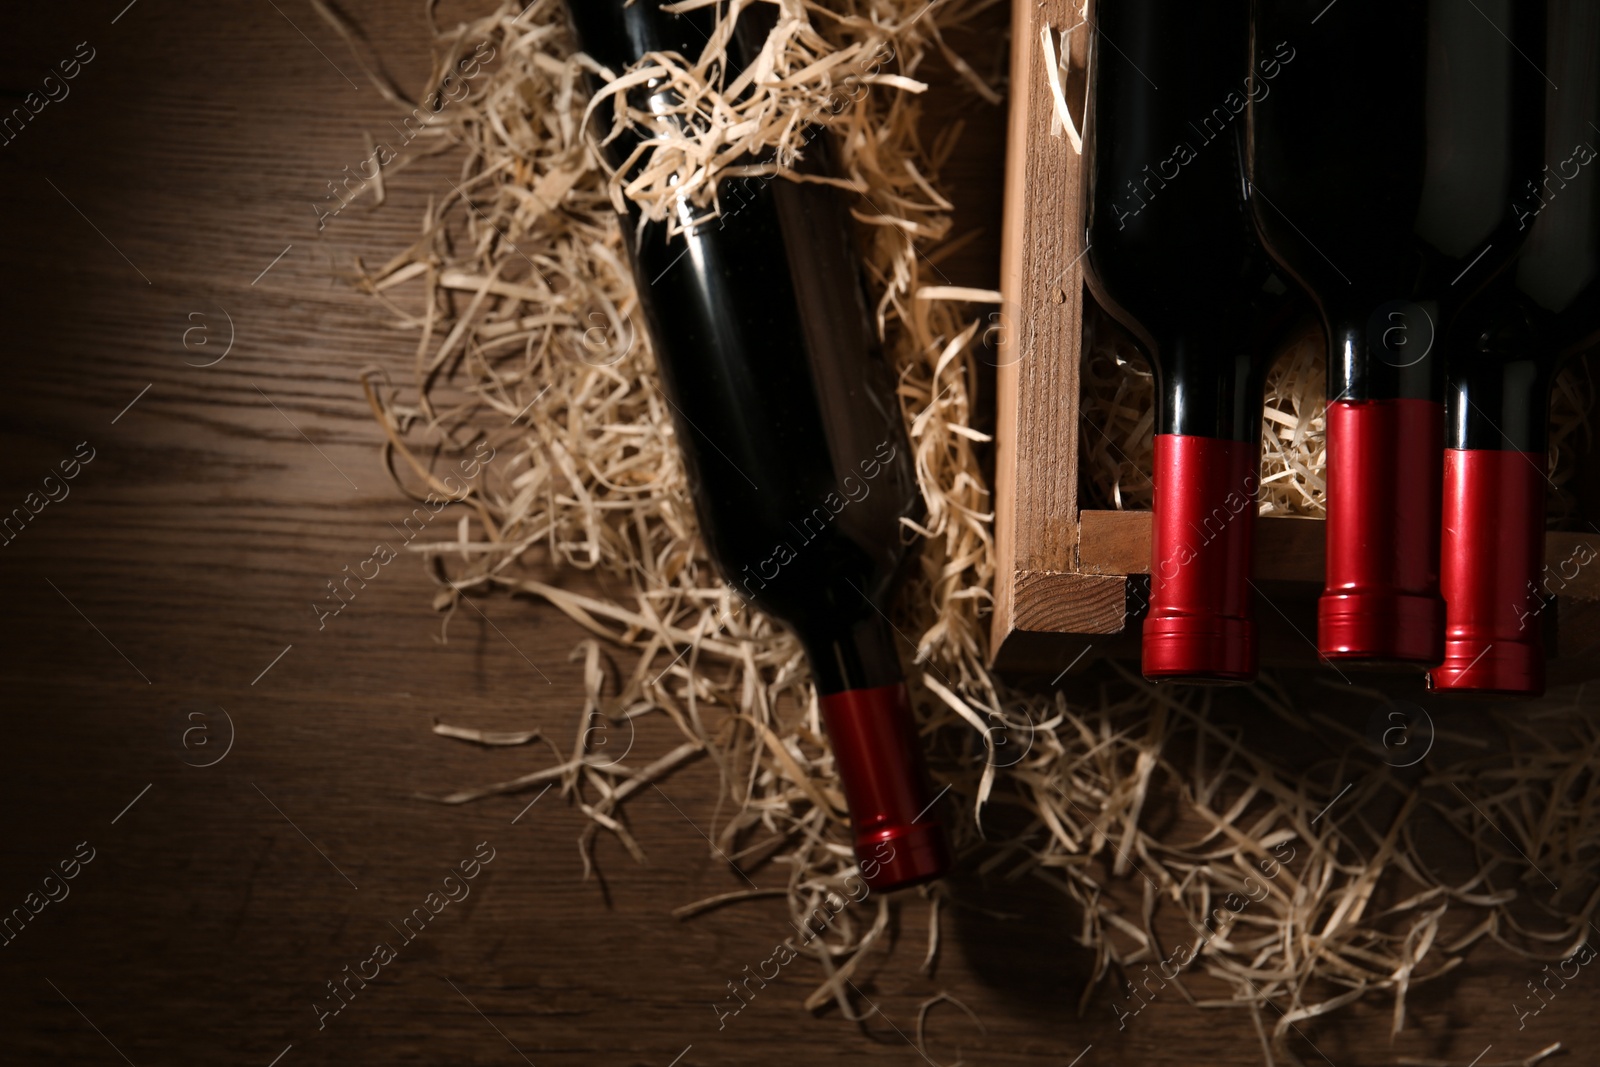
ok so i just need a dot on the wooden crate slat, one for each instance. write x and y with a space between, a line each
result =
1041 321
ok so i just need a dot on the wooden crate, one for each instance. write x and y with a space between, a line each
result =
1068 579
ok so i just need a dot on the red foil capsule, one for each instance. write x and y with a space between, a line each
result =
1380 602
1492 557
1201 627
898 840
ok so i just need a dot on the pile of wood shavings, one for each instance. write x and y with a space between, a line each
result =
1294 895
1118 417
523 315
527 338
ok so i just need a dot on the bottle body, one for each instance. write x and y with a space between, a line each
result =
792 440
1543 309
1169 252
1388 195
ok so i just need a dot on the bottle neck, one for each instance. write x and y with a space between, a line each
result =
1210 383
858 656
1498 405
1389 351
1209 392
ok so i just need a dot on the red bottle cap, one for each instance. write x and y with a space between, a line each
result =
1380 603
1200 627
1491 563
898 838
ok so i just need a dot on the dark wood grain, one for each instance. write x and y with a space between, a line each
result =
178 575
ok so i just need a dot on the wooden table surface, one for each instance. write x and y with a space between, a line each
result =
170 190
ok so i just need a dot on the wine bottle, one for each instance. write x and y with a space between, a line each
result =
789 429
1383 166
1170 253
1543 309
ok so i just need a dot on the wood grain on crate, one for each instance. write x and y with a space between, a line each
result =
1041 285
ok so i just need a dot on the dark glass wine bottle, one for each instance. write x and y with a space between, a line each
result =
1543 309
1384 165
790 432
1170 253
